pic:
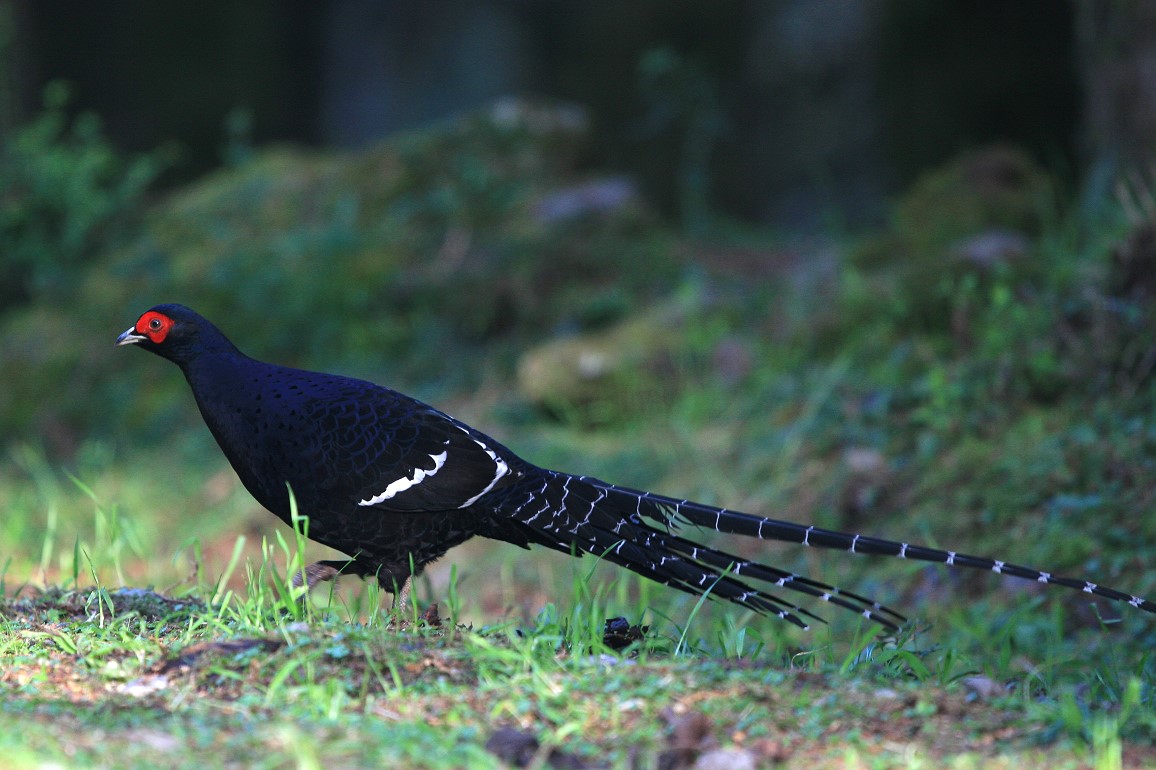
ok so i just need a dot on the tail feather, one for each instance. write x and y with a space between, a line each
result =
617 523
671 512
868 608
667 545
693 578
562 510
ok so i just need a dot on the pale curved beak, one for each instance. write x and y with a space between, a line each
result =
130 337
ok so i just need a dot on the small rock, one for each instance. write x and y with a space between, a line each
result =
600 196
145 685
620 634
431 617
512 746
726 759
691 735
982 687
518 748
992 248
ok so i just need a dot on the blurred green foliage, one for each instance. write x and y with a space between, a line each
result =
1013 297
65 194
683 99
960 229
435 259
394 262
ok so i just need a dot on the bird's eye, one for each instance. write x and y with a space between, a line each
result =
154 325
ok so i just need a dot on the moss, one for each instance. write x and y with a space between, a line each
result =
601 376
401 257
956 230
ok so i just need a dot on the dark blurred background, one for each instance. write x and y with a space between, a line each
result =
793 113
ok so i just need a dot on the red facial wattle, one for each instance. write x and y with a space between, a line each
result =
155 326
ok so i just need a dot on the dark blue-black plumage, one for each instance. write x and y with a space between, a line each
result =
395 483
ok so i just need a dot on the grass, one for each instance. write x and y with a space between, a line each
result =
131 679
234 669
223 664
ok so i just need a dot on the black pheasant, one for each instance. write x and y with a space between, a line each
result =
395 484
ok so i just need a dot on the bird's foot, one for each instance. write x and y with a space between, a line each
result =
403 616
399 612
401 596
431 618
317 572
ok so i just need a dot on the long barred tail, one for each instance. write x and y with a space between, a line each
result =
665 509
560 511
611 521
